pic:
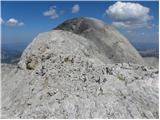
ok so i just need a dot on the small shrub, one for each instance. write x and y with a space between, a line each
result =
121 77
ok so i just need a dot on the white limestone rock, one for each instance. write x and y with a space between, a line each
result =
60 76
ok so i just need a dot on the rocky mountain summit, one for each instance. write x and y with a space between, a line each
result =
112 45
62 74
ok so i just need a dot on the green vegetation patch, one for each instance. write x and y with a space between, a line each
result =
121 77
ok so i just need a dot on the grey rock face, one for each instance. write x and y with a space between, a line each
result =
60 76
110 43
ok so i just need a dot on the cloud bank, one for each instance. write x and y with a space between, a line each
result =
128 14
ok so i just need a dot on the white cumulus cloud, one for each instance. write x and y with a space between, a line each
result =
2 21
52 13
13 22
128 14
75 8
20 24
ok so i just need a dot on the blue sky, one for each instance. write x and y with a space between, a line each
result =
22 21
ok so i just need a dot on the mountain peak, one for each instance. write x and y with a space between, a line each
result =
109 41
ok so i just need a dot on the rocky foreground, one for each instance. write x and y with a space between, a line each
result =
60 75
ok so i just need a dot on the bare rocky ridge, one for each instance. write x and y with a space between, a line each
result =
61 75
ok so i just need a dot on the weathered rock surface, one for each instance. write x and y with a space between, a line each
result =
60 76
110 43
